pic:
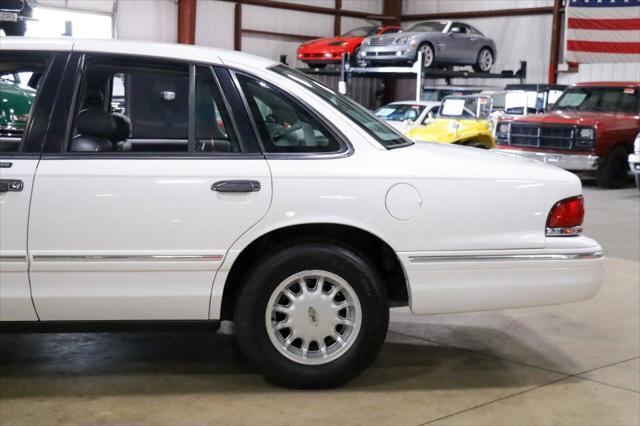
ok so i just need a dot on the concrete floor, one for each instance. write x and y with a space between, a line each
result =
576 364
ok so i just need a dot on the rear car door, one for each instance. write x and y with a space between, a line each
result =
28 85
131 218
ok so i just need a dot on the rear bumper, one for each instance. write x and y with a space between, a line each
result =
574 162
448 283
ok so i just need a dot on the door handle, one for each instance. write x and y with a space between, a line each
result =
11 185
236 186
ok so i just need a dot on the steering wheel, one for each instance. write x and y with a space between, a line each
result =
286 131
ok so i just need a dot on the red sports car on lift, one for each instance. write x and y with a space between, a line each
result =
322 51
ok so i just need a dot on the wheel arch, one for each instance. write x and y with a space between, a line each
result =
381 256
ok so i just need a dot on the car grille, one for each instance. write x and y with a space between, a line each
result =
557 137
381 41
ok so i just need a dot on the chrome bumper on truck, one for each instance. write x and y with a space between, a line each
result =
568 270
574 162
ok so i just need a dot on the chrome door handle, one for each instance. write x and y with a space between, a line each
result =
236 186
11 185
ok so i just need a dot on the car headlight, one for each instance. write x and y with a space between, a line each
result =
503 128
636 145
338 43
366 42
31 3
401 40
586 133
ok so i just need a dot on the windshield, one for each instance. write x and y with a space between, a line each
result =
399 112
383 133
427 27
361 32
599 99
474 107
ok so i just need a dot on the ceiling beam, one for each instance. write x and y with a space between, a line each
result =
523 11
274 4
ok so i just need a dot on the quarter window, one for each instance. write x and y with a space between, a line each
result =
284 125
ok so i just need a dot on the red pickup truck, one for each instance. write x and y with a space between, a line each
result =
590 129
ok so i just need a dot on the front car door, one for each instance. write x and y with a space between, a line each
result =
28 85
132 221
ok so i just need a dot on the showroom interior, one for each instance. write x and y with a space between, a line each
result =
537 81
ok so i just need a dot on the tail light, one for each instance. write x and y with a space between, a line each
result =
566 217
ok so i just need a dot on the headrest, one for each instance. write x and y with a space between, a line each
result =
93 99
96 122
123 128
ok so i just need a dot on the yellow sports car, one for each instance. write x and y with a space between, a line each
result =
462 120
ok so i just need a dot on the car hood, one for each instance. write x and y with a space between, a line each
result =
571 117
328 40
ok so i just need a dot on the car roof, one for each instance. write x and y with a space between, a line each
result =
608 84
141 48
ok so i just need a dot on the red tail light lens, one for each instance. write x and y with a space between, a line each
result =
566 217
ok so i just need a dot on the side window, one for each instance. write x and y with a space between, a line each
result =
142 106
20 78
284 125
458 28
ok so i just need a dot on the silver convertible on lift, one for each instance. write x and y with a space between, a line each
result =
442 43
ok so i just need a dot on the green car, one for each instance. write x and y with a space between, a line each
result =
15 103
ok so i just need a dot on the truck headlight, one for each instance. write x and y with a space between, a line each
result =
503 128
636 145
586 133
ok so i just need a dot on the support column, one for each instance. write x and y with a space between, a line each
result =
237 27
392 9
556 29
337 19
187 21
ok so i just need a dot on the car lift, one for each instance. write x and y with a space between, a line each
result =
416 71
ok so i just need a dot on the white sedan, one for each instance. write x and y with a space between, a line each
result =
224 186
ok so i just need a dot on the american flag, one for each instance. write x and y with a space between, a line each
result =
603 31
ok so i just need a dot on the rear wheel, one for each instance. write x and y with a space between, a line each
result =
484 61
614 170
313 315
428 55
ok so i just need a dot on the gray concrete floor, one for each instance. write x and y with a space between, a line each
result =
576 364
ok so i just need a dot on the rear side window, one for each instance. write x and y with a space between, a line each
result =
21 75
284 125
133 105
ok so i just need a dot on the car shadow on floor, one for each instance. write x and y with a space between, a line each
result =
99 364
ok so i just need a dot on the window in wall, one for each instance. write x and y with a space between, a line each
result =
20 78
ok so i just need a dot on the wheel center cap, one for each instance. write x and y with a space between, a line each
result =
313 316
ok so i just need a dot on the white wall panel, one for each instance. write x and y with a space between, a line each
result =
347 23
148 20
370 6
602 72
214 24
319 3
286 21
444 6
271 47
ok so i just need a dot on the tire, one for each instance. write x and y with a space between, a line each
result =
270 278
353 58
484 60
428 55
614 170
